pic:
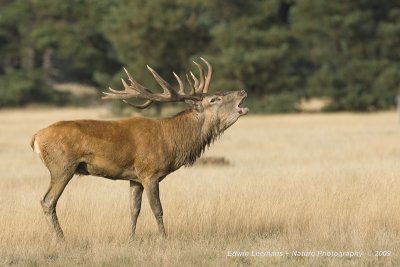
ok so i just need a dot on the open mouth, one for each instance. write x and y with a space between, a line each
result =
242 110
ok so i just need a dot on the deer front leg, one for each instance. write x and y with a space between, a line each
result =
152 191
136 190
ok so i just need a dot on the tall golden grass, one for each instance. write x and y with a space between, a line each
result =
295 183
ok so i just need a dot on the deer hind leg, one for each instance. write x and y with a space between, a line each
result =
49 202
136 191
153 195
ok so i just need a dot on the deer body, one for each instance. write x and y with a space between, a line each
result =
122 149
141 150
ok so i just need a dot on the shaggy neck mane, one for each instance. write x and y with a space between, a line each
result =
191 133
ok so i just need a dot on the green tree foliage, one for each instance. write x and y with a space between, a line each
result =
280 51
42 42
162 34
355 48
25 87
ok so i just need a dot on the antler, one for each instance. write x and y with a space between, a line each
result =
169 94
202 86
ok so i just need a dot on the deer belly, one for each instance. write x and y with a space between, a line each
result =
105 168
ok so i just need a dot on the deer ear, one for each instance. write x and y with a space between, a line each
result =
195 104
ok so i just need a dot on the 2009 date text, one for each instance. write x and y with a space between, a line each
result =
380 253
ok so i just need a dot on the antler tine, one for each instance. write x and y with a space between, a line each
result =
168 90
126 86
199 89
136 86
196 82
115 91
181 90
192 90
116 95
142 106
129 91
209 76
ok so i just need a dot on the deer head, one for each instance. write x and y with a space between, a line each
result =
220 109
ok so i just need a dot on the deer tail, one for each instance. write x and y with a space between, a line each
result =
33 142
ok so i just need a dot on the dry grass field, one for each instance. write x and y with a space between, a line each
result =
295 184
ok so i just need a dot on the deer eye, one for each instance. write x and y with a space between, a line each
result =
215 99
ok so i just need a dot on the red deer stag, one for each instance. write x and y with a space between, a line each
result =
141 150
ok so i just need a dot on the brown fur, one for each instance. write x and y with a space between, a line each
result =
141 150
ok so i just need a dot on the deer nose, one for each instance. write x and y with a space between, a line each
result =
242 93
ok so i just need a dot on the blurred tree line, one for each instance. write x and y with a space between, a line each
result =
280 51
